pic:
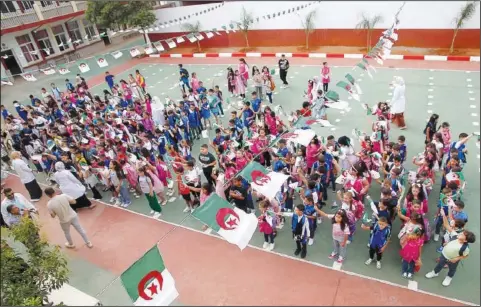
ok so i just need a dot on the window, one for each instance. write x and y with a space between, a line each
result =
27 5
7 7
60 37
74 30
44 42
26 45
89 29
46 3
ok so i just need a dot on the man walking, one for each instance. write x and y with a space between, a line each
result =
283 67
59 205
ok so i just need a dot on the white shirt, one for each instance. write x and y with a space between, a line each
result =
23 171
69 184
398 102
60 205
20 201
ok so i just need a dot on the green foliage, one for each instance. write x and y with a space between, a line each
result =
369 23
466 13
110 14
244 24
28 281
309 24
193 28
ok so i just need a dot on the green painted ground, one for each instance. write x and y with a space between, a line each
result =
450 99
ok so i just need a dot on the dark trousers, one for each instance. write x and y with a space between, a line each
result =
195 132
208 175
439 224
269 95
95 192
376 251
301 245
269 238
312 229
451 266
332 179
408 267
325 87
283 76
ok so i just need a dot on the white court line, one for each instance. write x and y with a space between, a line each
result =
336 266
283 255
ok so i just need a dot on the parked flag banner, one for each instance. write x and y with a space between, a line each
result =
268 184
191 38
233 224
148 282
83 67
49 71
199 36
158 46
171 43
253 169
102 62
149 50
29 77
117 54
134 52
63 70
180 39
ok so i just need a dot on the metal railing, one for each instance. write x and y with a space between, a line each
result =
81 5
54 10
10 20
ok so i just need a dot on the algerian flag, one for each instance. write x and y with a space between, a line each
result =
349 89
351 80
191 38
233 224
171 43
116 54
29 77
102 62
83 67
364 67
301 136
149 50
63 70
49 71
199 36
158 46
148 282
134 52
262 181
180 39
209 34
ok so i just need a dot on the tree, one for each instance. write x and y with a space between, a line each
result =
193 28
27 281
111 14
309 25
244 24
466 13
369 24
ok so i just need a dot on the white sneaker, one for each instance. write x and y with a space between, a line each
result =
172 199
112 200
117 203
378 265
436 238
410 275
431 274
68 245
90 245
152 212
270 247
191 210
265 245
405 275
35 200
157 215
311 241
348 242
164 203
368 245
136 196
187 209
368 261
447 281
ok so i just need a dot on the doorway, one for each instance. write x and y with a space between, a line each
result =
11 62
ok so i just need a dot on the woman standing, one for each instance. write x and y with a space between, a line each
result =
71 186
325 76
398 103
26 176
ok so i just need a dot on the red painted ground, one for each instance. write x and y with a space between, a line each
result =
209 271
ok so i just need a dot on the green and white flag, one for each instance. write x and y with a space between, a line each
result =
351 80
148 282
365 68
349 89
262 181
233 224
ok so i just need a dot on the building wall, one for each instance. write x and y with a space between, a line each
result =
422 23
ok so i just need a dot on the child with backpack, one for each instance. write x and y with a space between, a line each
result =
380 235
269 86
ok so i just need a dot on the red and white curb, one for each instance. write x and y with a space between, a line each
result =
315 55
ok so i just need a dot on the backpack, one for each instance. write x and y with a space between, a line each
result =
463 249
273 85
426 128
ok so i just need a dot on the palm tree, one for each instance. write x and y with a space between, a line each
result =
193 28
244 24
369 24
466 13
308 25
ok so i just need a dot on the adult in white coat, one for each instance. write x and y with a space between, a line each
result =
398 102
71 186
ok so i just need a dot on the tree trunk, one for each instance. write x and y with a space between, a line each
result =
198 45
307 41
247 39
451 49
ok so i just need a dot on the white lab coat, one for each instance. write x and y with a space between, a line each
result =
398 102
69 184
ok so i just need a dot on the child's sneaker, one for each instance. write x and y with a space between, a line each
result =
187 209
152 212
157 215
270 247
405 275
410 275
112 199
332 256
136 195
378 265
340 259
447 281
431 274
436 237
311 241
117 203
368 261
164 203
265 245
439 249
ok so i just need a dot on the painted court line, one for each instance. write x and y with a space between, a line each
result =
283 255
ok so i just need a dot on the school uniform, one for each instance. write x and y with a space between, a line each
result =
300 233
379 239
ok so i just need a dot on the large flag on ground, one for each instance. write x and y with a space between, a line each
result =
262 181
233 224
302 136
148 282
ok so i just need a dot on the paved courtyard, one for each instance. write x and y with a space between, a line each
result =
453 94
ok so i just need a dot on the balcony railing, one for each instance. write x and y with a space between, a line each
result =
10 20
51 11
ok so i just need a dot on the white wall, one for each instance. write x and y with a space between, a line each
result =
330 14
